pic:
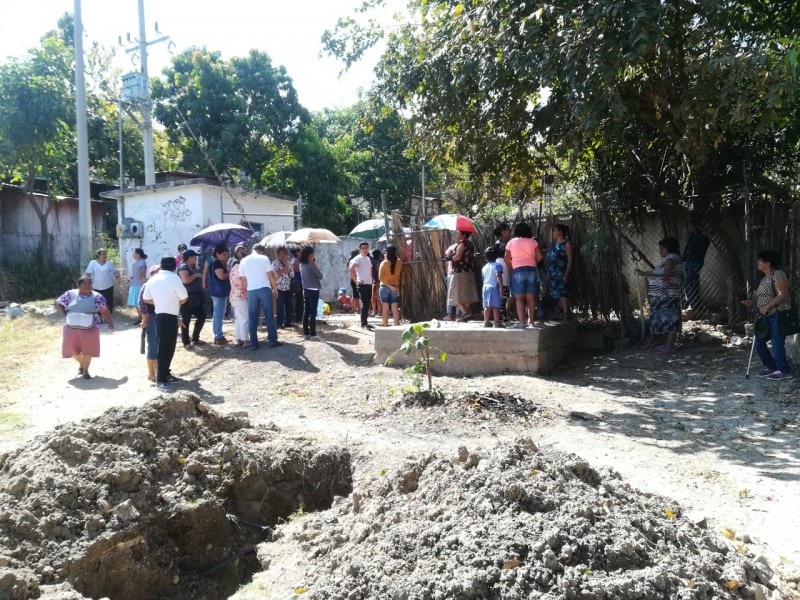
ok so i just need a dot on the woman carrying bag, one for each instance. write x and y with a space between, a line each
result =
775 317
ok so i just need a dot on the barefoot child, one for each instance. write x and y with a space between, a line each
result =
492 284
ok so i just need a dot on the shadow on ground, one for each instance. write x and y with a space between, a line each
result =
696 400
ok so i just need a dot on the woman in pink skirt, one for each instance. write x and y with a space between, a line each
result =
81 309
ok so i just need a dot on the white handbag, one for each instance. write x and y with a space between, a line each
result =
76 320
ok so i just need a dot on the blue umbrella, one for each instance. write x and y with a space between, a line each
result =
229 234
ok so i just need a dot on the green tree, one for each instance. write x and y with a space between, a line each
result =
670 91
36 117
631 102
244 113
375 148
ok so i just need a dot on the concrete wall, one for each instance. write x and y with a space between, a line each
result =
475 350
255 206
332 260
174 214
170 217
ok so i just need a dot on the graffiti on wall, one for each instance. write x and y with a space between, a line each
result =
167 224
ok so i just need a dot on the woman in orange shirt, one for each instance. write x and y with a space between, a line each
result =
389 276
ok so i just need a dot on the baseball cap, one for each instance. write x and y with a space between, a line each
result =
154 269
187 254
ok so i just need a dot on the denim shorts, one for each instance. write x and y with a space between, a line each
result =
524 280
388 296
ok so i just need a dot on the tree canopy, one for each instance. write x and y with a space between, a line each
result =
643 100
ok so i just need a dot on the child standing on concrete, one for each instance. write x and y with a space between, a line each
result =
492 284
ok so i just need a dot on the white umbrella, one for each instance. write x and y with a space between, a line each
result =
276 240
313 236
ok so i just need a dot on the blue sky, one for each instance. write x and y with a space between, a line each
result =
288 31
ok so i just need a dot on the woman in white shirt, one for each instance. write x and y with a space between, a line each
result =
103 274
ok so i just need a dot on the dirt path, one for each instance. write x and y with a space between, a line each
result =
687 426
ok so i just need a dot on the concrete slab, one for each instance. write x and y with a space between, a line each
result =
473 349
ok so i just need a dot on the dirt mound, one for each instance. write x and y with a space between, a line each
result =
497 405
516 523
164 500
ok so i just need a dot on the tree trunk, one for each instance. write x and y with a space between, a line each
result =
44 242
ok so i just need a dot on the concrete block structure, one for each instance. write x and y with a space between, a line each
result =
473 349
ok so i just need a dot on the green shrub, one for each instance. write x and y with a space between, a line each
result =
35 279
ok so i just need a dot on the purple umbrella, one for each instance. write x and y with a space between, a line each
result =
229 234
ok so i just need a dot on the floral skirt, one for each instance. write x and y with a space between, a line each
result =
462 289
665 314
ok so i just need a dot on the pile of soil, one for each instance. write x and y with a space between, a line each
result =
164 500
499 405
517 523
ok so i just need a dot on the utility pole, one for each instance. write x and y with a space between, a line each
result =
147 125
422 204
389 242
140 93
84 190
300 211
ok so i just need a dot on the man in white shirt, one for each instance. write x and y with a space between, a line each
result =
256 273
361 273
166 292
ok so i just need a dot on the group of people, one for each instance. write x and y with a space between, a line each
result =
169 295
510 277
772 302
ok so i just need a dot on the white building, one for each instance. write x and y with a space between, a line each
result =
157 218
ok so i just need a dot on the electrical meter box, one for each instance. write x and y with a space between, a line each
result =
135 87
130 229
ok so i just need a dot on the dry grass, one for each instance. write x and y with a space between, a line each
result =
24 341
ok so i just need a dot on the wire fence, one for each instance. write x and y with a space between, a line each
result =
718 246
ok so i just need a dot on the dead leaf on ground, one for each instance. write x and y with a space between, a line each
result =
669 513
511 564
732 584
729 533
535 472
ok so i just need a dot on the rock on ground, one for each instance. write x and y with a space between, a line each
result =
514 523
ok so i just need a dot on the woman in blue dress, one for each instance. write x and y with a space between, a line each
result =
559 268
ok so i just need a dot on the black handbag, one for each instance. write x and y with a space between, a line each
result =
788 322
761 328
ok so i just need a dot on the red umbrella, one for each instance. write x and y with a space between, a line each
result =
452 222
